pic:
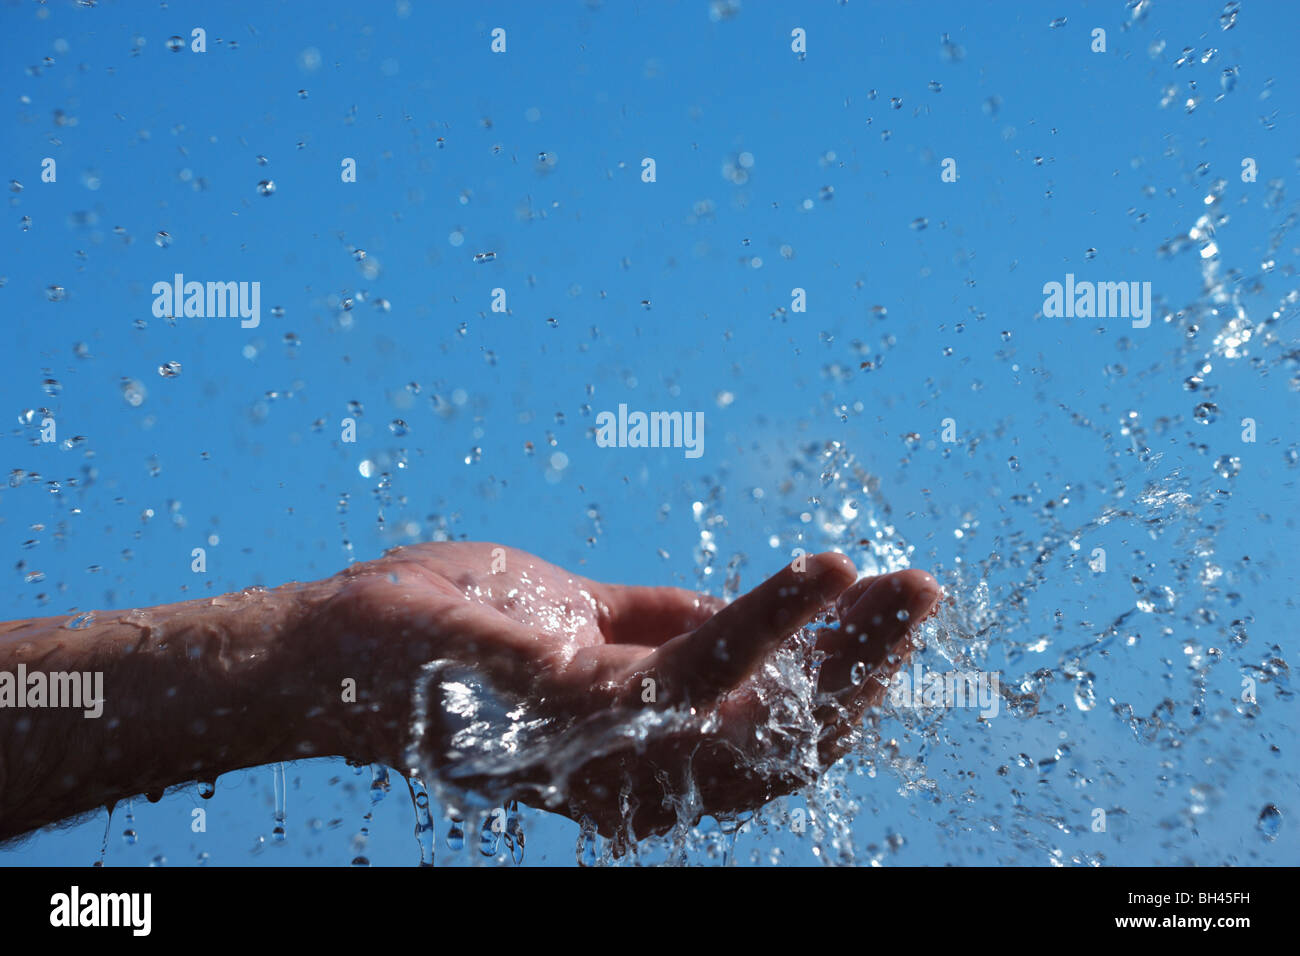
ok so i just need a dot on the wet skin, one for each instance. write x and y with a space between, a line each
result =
198 689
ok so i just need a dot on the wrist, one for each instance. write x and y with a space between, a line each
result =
345 693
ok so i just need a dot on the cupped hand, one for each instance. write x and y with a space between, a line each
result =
573 648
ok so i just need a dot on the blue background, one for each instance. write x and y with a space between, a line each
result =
669 295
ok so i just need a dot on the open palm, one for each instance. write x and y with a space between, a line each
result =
583 653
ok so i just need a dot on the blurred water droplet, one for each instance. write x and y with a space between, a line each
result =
1227 466
1270 822
133 392
456 834
266 187
1085 697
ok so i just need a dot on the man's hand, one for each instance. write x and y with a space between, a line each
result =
571 648
194 690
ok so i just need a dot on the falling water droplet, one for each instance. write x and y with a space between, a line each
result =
1270 822
1228 18
133 392
1227 466
456 834
1085 696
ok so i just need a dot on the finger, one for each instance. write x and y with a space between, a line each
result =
873 630
726 649
650 616
850 596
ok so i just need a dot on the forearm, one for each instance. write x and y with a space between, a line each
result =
189 691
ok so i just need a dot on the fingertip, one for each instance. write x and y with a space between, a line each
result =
832 572
912 590
924 592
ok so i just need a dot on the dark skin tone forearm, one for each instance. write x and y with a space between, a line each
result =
202 688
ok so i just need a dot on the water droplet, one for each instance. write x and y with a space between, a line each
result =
162 240
1206 413
456 834
1085 697
169 369
175 44
266 187
133 392
1270 822
1227 466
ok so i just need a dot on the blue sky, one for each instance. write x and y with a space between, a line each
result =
773 172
